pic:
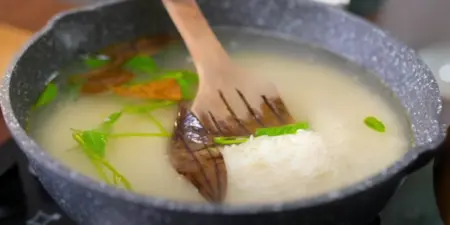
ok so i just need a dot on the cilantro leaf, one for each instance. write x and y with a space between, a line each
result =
48 95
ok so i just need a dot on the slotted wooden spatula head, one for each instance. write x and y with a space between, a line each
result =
229 102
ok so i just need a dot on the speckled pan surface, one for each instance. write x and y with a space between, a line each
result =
96 26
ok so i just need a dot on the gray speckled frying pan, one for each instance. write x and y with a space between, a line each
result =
92 203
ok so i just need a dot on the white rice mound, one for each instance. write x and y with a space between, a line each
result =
275 169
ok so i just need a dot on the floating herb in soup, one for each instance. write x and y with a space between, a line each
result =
111 117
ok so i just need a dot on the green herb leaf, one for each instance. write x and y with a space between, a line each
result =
375 124
107 124
148 107
161 128
270 131
188 90
188 76
49 94
118 178
92 142
187 80
95 61
230 140
141 64
282 130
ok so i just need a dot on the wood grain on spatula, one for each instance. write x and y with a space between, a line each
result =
229 102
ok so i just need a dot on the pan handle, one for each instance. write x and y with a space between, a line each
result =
441 181
439 153
422 160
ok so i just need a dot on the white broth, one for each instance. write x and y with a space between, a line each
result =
332 100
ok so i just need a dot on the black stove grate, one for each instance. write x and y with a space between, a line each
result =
22 199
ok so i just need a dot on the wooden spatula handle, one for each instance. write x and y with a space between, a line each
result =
203 45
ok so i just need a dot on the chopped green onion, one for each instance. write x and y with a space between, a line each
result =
282 130
375 124
230 140
270 131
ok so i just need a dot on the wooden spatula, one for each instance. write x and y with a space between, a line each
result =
229 102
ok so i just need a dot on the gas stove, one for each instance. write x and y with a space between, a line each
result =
24 201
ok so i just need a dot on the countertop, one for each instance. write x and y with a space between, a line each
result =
18 20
